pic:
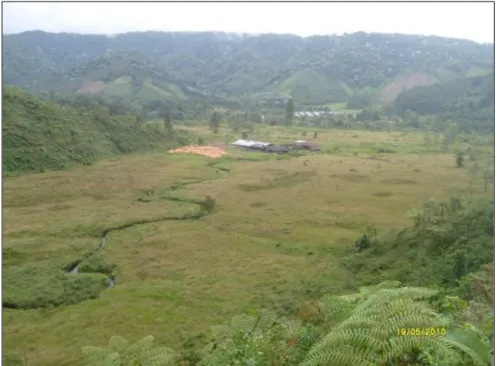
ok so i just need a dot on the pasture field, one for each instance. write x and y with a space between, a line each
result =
277 233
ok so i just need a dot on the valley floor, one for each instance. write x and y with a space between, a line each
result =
278 230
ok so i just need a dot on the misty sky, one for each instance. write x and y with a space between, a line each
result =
472 21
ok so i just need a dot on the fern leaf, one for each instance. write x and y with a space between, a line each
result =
160 356
370 331
388 295
243 322
112 359
336 309
361 338
134 351
218 331
402 345
94 355
358 321
344 357
117 344
267 319
470 343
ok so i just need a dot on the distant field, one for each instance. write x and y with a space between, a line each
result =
279 228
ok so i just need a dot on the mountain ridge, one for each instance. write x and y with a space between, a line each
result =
220 66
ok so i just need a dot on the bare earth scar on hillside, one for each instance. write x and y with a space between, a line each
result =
210 151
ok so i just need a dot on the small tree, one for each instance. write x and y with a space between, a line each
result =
168 126
315 135
459 159
244 135
200 141
215 122
289 112
208 204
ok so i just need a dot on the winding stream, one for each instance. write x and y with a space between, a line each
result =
111 280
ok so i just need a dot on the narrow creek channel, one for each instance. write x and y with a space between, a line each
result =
111 280
103 240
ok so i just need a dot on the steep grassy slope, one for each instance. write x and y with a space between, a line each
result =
40 135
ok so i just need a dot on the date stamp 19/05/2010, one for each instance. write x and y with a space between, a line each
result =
421 332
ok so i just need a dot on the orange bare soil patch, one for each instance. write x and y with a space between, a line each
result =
210 151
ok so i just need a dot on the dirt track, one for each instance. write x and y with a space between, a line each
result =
210 151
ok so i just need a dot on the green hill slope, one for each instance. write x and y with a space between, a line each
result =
42 135
208 65
470 99
311 86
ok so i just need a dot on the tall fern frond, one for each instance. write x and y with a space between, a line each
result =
370 334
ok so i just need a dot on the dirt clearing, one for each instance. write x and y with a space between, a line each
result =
210 151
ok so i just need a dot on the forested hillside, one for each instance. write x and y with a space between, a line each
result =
470 102
247 70
42 135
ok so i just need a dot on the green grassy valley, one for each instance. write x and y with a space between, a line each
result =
136 233
284 233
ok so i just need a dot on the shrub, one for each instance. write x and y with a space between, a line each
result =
96 264
385 150
44 285
13 359
459 160
363 243
208 204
